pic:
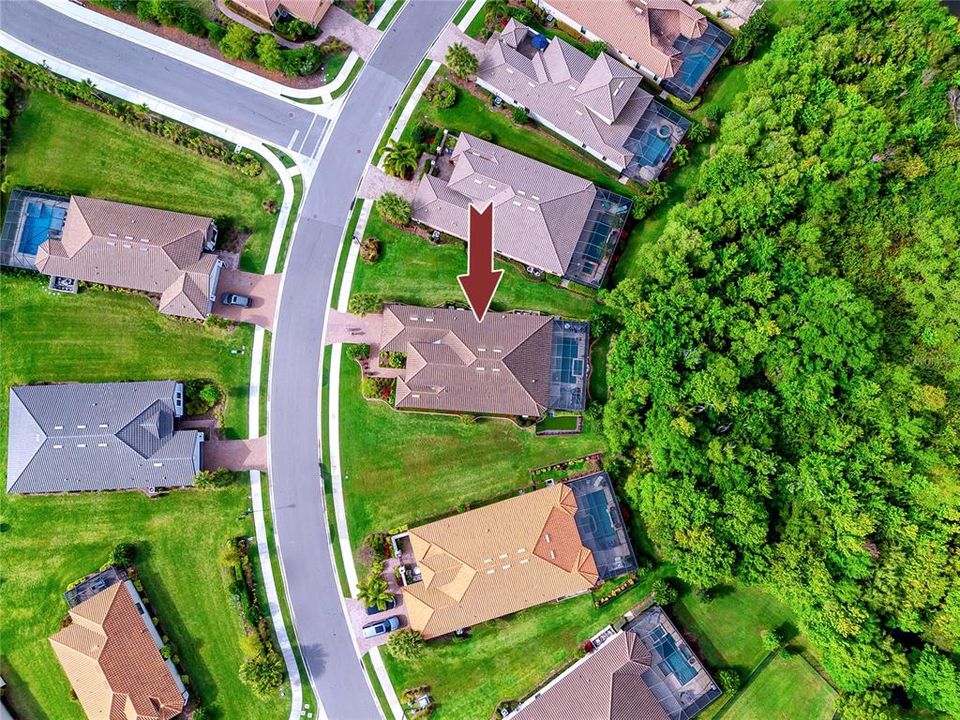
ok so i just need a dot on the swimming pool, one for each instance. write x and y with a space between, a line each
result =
39 219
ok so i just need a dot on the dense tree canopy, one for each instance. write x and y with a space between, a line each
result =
787 373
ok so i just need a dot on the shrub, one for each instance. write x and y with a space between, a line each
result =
251 645
295 29
406 644
714 114
461 61
210 394
229 555
263 674
681 155
221 477
357 351
377 542
772 639
239 42
270 207
268 52
302 61
664 592
124 554
394 209
520 116
423 133
201 714
596 48
363 10
364 304
444 95
216 32
486 135
729 680
376 387
698 132
370 250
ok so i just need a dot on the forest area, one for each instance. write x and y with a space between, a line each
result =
785 380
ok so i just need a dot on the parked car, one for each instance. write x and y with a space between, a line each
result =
381 628
390 606
234 299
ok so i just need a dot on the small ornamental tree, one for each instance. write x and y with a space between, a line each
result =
400 159
268 52
596 48
663 592
461 61
520 116
364 304
239 42
729 680
772 639
124 554
395 209
263 674
406 644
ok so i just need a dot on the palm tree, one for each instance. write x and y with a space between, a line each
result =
495 10
400 159
375 592
461 61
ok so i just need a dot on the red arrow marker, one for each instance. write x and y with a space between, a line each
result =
481 281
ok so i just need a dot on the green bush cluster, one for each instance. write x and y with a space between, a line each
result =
220 477
443 95
395 209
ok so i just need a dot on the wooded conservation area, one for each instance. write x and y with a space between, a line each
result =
786 379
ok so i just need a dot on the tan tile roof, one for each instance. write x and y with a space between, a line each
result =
539 211
112 663
644 30
140 248
310 11
496 560
454 363
607 685
597 102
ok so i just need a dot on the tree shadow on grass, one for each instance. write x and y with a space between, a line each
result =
18 698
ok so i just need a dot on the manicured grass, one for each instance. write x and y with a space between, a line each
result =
558 422
65 147
391 14
297 181
395 117
354 71
507 658
473 115
464 9
401 467
327 479
375 682
333 66
786 689
476 27
412 270
345 250
598 369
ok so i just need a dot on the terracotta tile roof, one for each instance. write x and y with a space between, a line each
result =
112 663
607 685
539 211
310 11
140 248
596 102
496 560
454 363
644 30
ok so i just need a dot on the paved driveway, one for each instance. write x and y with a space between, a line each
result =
262 291
236 455
358 612
341 24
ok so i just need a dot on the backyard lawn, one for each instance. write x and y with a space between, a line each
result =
412 270
64 147
786 689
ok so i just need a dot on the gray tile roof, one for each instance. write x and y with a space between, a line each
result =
539 211
596 102
454 363
134 247
97 436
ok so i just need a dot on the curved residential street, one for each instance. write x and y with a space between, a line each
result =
341 156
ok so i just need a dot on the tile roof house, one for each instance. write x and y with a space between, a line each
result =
646 672
667 40
506 365
110 655
139 248
99 436
270 11
543 217
509 556
596 104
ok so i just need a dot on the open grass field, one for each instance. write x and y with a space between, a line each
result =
400 467
507 658
786 689
65 147
412 270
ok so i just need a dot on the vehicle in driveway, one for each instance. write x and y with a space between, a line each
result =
390 606
381 628
235 299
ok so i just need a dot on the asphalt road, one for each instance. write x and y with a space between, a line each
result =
296 485
271 119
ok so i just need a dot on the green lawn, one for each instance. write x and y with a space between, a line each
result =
786 689
65 147
400 467
412 270
509 657
558 422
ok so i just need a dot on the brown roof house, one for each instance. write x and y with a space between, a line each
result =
270 11
110 653
542 217
501 558
646 672
159 252
597 105
667 40
510 364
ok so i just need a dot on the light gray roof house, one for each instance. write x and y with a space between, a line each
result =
99 436
596 104
544 217
129 246
510 364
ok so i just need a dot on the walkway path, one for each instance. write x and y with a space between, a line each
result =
376 182
450 36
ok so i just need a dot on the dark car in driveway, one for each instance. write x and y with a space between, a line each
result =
235 299
390 606
381 628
